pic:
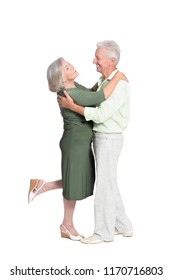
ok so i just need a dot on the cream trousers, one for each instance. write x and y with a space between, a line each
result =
109 210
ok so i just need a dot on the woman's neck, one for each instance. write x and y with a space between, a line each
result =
69 84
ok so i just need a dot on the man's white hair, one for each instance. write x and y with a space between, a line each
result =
112 49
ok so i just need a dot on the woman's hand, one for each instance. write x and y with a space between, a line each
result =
121 76
111 85
65 102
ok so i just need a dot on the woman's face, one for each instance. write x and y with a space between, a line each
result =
68 71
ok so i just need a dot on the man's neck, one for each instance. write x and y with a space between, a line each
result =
107 73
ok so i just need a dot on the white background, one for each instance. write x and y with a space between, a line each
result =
33 34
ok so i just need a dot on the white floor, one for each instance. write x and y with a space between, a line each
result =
31 238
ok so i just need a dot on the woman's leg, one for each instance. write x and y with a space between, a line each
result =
69 207
48 186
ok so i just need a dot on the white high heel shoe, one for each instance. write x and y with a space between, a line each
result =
65 233
34 188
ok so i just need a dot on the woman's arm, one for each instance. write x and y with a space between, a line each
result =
110 86
105 110
68 103
94 88
89 98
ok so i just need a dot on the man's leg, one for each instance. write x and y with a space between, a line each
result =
122 223
108 205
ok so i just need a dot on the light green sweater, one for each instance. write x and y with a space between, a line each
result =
112 115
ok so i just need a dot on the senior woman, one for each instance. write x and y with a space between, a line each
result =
78 168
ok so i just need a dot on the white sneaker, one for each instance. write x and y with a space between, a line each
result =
125 234
93 239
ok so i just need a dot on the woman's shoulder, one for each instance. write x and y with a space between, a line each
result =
61 93
79 86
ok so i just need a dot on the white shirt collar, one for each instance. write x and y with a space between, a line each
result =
108 78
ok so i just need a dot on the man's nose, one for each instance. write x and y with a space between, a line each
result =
94 60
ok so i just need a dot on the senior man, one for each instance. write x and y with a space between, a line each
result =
110 120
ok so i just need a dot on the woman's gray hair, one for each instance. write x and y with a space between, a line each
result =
55 76
112 49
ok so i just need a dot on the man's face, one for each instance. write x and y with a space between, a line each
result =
101 61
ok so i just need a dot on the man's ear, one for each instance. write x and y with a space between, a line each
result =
112 61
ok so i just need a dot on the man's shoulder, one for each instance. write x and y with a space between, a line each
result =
122 84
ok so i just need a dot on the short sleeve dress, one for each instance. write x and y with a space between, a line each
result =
77 163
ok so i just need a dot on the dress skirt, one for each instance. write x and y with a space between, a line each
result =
78 168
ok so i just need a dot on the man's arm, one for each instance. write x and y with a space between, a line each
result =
68 103
105 110
86 98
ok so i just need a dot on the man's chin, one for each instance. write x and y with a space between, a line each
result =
98 69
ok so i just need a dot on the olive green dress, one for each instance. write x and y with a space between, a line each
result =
78 168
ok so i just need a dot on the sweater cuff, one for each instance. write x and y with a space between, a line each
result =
88 113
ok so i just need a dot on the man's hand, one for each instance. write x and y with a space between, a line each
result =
66 102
